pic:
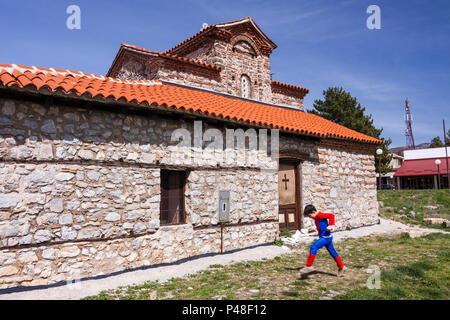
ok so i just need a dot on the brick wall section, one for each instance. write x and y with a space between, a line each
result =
234 64
287 101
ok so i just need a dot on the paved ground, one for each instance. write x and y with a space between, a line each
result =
163 273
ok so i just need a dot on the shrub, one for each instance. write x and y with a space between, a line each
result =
286 233
278 242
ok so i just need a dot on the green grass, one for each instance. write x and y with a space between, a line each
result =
398 203
278 242
424 279
286 233
416 268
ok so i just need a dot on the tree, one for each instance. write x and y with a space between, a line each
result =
436 142
340 107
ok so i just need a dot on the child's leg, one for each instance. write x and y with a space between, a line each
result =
334 254
313 251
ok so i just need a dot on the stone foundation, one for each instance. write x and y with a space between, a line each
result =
53 263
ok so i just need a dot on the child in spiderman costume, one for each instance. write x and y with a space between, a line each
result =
325 238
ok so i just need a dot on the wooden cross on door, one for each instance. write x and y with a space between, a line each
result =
285 180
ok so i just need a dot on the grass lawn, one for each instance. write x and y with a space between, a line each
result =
425 203
416 268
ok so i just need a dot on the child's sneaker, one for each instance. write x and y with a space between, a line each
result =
341 272
306 270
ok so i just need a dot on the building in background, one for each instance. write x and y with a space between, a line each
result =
420 171
388 180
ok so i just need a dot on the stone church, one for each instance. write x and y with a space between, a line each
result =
171 155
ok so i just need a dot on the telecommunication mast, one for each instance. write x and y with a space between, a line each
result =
408 132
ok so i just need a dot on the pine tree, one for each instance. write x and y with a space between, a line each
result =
436 142
340 107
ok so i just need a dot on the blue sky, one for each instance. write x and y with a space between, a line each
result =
320 44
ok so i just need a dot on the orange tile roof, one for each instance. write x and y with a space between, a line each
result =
223 24
167 96
289 86
172 56
198 34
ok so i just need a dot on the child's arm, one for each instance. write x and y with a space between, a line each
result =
330 217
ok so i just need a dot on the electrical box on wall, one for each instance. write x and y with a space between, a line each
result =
224 206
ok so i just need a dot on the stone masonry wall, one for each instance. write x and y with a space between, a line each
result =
80 193
338 178
132 66
285 100
80 190
344 183
235 64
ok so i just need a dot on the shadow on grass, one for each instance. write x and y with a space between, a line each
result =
305 276
296 268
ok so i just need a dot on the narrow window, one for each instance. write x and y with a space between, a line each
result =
172 197
245 86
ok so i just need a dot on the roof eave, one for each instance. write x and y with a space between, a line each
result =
245 20
145 105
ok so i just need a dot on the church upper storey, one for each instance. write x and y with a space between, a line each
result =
229 58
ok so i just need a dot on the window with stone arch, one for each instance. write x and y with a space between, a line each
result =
244 47
245 86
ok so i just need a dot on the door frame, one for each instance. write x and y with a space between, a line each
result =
298 188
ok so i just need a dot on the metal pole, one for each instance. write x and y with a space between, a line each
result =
439 178
379 169
446 155
221 237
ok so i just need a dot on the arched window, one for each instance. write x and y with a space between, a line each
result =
245 48
245 86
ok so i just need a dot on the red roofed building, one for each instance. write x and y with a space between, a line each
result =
171 155
423 169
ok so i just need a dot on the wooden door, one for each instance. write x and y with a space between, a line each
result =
289 196
172 209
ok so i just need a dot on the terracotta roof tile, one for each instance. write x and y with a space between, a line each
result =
289 86
203 31
218 25
172 57
183 99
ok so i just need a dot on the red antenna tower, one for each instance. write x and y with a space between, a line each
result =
409 133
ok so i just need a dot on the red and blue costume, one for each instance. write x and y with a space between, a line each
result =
325 239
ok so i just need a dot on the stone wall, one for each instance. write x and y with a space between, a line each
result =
286 100
80 189
237 64
344 183
59 262
189 75
234 64
253 196
339 178
80 193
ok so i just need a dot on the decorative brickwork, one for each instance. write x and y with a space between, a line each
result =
231 50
